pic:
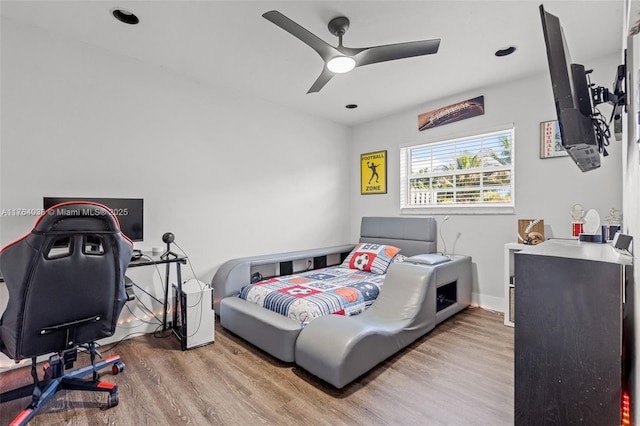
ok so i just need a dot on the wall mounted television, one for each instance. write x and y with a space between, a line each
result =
129 211
583 130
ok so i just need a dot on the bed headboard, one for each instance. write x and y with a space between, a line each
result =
413 235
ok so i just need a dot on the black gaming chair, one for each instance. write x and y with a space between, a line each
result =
66 290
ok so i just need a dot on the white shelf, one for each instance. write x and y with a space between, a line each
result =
509 285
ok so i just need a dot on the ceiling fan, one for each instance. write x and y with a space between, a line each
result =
341 59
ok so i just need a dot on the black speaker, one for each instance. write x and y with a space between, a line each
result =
319 262
590 238
622 241
286 268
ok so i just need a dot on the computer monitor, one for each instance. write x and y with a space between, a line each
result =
129 211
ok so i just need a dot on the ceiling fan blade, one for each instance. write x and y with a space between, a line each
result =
324 49
391 52
322 79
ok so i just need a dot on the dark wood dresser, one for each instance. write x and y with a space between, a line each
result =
574 335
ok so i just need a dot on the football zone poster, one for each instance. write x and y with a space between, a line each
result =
373 173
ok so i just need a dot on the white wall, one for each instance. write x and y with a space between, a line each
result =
631 166
212 165
631 174
631 185
545 189
228 174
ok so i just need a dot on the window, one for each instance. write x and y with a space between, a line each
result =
474 173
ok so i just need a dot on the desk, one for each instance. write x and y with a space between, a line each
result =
149 259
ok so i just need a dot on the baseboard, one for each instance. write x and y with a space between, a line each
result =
491 303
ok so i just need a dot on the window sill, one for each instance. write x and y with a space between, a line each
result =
474 210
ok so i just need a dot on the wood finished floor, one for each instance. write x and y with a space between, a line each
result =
459 374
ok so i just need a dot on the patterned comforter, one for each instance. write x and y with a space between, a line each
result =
308 295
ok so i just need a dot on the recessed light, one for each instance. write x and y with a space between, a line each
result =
351 106
506 51
125 16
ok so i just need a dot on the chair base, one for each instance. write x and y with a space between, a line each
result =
56 379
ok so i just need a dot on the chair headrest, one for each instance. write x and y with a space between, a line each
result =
98 218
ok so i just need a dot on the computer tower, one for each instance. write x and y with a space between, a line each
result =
194 316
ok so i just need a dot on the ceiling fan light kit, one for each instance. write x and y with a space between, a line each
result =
340 59
341 64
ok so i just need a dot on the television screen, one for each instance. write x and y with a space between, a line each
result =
129 211
572 97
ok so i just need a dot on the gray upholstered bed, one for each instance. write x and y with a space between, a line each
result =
417 294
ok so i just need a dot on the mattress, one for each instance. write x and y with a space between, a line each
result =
309 295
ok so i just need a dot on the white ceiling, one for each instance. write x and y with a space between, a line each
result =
228 43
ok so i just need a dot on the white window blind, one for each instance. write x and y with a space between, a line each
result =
465 173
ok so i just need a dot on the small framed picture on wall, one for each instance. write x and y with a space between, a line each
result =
373 173
550 141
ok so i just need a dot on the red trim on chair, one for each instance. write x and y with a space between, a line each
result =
19 420
111 359
64 204
15 242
